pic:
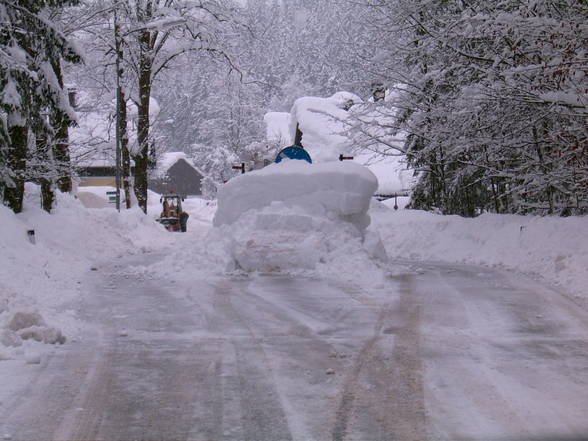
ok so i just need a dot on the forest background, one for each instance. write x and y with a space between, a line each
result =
486 100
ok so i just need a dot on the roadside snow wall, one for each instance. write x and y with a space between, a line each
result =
43 276
553 248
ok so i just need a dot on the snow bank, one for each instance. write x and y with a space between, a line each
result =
44 276
553 248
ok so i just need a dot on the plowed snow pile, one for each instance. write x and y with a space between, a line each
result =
295 215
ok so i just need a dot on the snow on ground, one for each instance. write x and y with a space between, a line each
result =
553 248
295 225
44 277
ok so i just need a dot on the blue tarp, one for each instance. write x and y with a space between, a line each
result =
293 152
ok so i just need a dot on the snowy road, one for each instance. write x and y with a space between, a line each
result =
439 353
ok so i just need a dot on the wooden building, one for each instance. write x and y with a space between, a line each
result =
176 173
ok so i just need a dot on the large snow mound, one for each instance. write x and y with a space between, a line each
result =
337 190
297 216
289 239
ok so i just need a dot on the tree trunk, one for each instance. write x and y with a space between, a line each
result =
126 157
17 160
60 122
45 169
142 158
544 169
140 178
61 155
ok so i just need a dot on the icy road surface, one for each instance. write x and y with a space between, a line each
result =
441 353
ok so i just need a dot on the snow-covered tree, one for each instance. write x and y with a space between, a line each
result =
216 162
285 50
32 99
162 31
493 101
6 172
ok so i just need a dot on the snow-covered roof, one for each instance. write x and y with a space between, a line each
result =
168 159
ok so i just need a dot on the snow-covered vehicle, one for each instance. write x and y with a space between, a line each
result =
294 214
172 217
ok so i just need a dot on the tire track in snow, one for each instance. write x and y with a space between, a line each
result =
262 410
300 339
82 421
147 383
384 395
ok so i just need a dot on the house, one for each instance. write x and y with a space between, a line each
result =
96 173
175 172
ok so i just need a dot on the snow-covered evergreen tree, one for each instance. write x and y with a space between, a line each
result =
32 99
